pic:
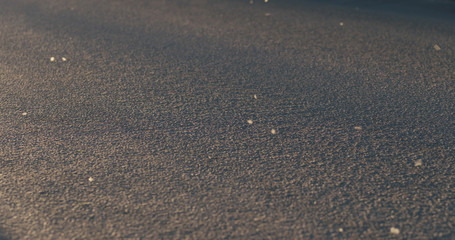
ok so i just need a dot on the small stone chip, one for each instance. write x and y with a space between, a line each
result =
250 121
52 59
358 128
90 179
340 229
251 2
64 59
341 24
437 47
266 1
273 131
24 114
418 163
394 230
255 96
259 218
267 14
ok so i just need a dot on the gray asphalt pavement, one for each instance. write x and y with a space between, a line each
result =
178 119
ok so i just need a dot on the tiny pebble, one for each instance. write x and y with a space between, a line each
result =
267 14
266 1
255 96
273 131
250 121
394 230
251 1
259 218
24 114
90 179
341 24
358 128
63 59
340 229
52 59
418 163
437 47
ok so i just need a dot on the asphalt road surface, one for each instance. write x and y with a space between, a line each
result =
136 119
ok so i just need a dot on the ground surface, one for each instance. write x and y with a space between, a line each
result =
138 128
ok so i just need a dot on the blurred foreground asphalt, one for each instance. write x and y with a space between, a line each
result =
135 119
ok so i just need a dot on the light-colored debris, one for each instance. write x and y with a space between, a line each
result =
394 230
418 163
90 179
341 24
267 14
358 128
266 1
340 230
255 96
437 47
52 59
24 114
250 121
64 59
273 131
259 218
251 1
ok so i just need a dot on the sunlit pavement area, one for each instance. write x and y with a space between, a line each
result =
226 119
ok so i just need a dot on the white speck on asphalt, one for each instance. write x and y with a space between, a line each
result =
250 121
437 47
418 163
358 128
394 230
52 59
267 14
255 96
90 179
273 131
24 114
341 24
340 229
251 1
259 218
266 1
64 59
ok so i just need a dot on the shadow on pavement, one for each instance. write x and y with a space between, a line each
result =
3 237
2 234
433 9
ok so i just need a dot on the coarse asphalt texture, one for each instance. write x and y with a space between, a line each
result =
225 119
